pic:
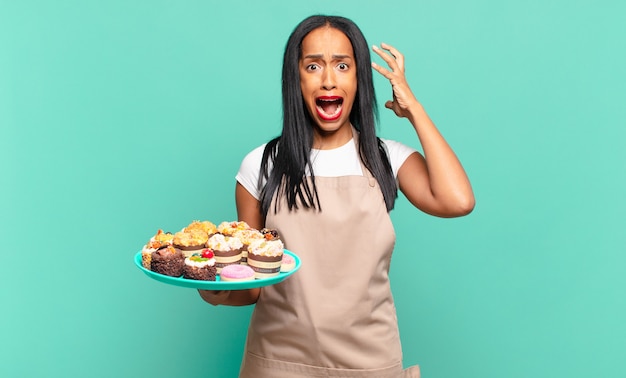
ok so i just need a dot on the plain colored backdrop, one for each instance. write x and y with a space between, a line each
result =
118 118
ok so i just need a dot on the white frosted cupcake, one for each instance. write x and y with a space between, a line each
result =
265 257
246 237
227 250
229 228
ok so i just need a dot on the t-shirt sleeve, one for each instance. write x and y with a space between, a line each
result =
249 171
398 153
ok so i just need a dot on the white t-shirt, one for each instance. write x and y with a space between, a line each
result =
341 161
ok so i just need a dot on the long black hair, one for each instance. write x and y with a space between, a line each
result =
290 152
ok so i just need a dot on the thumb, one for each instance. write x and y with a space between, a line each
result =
389 104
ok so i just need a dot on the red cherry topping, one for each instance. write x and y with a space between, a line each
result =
207 253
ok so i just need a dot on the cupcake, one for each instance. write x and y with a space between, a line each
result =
200 267
265 257
190 242
246 237
168 261
229 228
227 250
159 240
204 226
270 234
288 264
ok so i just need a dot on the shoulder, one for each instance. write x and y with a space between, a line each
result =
254 157
395 146
249 171
397 152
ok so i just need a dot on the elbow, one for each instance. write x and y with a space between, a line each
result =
465 206
461 207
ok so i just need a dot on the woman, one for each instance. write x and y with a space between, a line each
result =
327 185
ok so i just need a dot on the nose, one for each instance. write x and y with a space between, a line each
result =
328 80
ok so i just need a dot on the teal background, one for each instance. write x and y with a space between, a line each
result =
121 117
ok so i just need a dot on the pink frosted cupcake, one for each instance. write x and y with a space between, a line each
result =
288 264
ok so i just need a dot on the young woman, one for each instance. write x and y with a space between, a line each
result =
327 184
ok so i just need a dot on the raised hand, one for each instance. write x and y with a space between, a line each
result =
403 97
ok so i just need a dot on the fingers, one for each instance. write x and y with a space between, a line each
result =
383 71
214 297
391 56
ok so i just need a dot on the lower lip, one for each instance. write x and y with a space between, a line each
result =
325 117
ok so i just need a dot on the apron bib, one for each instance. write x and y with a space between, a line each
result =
335 317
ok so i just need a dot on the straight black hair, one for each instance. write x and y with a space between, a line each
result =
290 152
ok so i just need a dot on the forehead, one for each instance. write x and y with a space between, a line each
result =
328 41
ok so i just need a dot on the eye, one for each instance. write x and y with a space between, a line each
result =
312 67
342 66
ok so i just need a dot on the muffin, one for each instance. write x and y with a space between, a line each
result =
229 228
159 240
168 261
204 226
270 234
265 257
246 237
191 241
200 267
227 250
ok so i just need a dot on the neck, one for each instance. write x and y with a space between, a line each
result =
328 140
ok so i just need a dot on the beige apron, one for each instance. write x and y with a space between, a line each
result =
335 317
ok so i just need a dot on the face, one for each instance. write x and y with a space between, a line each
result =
328 78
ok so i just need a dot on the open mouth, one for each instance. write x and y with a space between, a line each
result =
329 107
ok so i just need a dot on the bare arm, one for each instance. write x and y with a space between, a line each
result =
436 182
249 211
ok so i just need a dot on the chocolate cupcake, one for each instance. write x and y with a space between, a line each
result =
168 261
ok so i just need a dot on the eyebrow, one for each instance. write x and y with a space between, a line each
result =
320 56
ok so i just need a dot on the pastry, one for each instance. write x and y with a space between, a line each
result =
265 257
159 240
270 234
190 242
205 226
229 228
288 263
237 273
227 250
247 236
168 261
200 267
